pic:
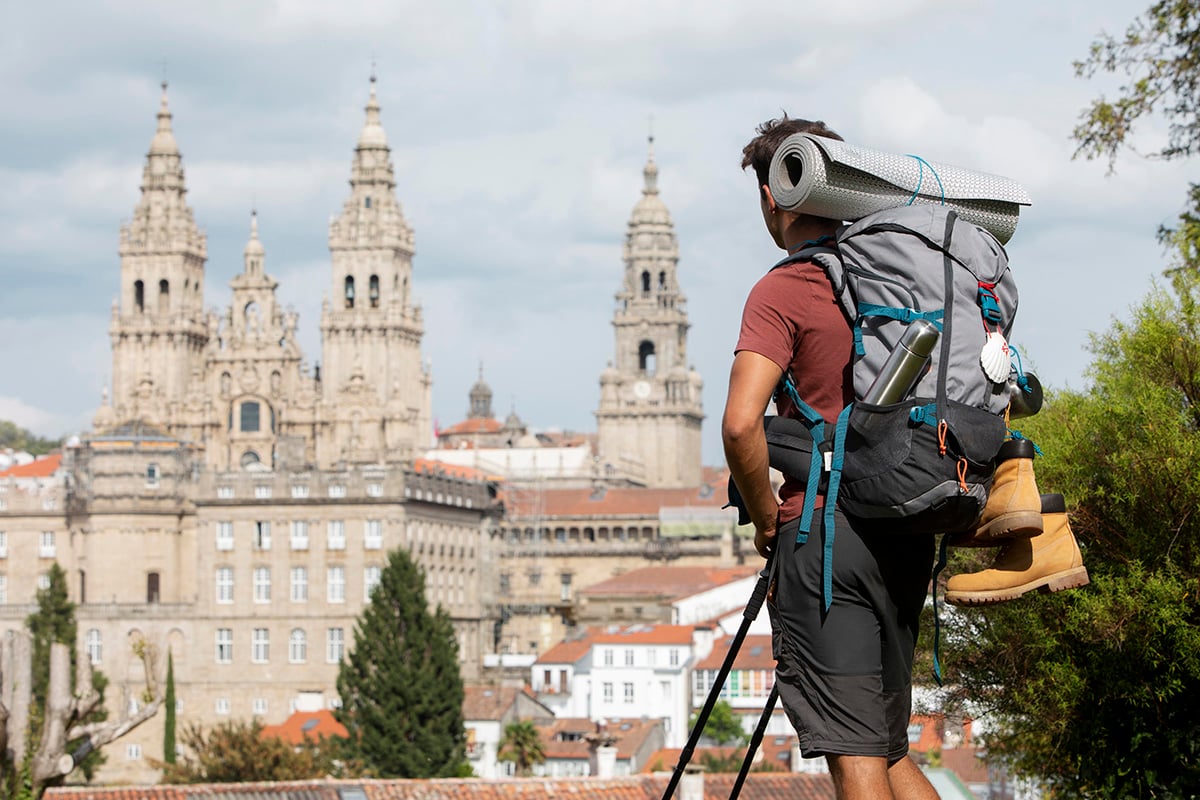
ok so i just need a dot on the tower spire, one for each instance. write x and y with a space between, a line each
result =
163 142
372 136
650 172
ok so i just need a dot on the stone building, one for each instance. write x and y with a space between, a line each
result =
233 505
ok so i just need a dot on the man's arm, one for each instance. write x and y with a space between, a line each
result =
752 381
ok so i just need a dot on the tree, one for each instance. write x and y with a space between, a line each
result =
1093 689
169 722
18 438
400 686
237 752
522 746
1160 55
723 726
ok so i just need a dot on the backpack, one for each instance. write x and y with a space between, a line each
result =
925 463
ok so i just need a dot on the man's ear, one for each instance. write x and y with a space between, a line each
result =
770 198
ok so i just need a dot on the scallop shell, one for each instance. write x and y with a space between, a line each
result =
995 358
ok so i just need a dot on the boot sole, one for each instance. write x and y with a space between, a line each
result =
1069 579
1017 525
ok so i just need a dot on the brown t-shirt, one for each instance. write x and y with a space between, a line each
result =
793 318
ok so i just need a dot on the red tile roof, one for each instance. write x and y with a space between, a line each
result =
570 651
313 724
758 786
669 582
429 466
755 653
473 425
42 467
629 734
567 652
491 702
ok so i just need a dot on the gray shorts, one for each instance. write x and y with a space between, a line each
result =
845 675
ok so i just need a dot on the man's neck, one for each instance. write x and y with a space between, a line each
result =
807 229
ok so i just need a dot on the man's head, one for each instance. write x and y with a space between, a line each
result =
761 149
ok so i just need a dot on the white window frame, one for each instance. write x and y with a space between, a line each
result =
607 689
335 584
373 534
262 535
299 585
297 646
222 705
152 475
374 489
299 490
225 535
337 490
629 693
3 589
224 592
262 491
259 707
299 534
95 647
224 492
335 535
133 752
260 645
371 576
46 545
335 645
224 641
3 544
629 656
262 585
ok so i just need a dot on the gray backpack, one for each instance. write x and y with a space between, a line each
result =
924 463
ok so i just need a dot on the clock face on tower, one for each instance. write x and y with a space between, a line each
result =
641 390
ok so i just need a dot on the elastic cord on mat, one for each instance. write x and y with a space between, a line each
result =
937 622
921 165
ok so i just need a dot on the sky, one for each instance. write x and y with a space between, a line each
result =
518 133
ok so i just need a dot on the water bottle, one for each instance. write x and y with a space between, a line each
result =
904 366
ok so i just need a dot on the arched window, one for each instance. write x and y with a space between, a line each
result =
367 202
645 281
646 357
349 291
662 280
164 296
139 296
250 417
373 291
250 460
297 646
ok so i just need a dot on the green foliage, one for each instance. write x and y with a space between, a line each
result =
237 752
723 725
169 722
400 686
18 438
54 621
522 745
1160 57
1094 688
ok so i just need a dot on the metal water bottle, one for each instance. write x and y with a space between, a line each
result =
904 366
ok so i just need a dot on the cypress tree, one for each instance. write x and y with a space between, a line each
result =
400 685
169 723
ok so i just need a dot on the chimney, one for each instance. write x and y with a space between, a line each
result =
602 751
794 756
691 785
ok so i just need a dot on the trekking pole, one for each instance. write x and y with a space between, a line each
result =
755 741
748 616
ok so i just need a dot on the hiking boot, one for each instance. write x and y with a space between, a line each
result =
1014 507
1049 562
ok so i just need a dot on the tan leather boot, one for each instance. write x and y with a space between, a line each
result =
1014 507
1049 562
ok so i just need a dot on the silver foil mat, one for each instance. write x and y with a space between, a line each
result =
827 178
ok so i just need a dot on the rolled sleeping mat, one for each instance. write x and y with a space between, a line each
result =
827 178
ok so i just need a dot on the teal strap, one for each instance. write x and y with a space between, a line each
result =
1016 434
905 315
937 622
835 480
816 429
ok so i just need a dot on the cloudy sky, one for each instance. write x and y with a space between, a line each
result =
518 132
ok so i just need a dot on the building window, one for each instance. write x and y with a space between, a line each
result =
297 646
370 581
505 584
373 289
95 648
260 706
299 537
564 592
299 584
628 692
608 692
224 584
300 490
46 544
224 492
336 584
335 645
152 589
374 490
629 657
262 584
43 580
608 656
152 475
139 296
262 491
674 657
260 645
337 535
224 535
349 291
337 490
3 544
222 705
249 421
3 589
373 534
262 535
224 645
133 752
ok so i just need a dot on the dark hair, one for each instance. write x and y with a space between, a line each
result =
761 149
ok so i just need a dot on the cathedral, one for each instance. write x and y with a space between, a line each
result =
235 507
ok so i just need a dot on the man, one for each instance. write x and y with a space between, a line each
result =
844 674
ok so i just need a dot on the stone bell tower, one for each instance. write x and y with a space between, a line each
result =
648 423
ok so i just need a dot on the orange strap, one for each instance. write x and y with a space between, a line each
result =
962 474
942 428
